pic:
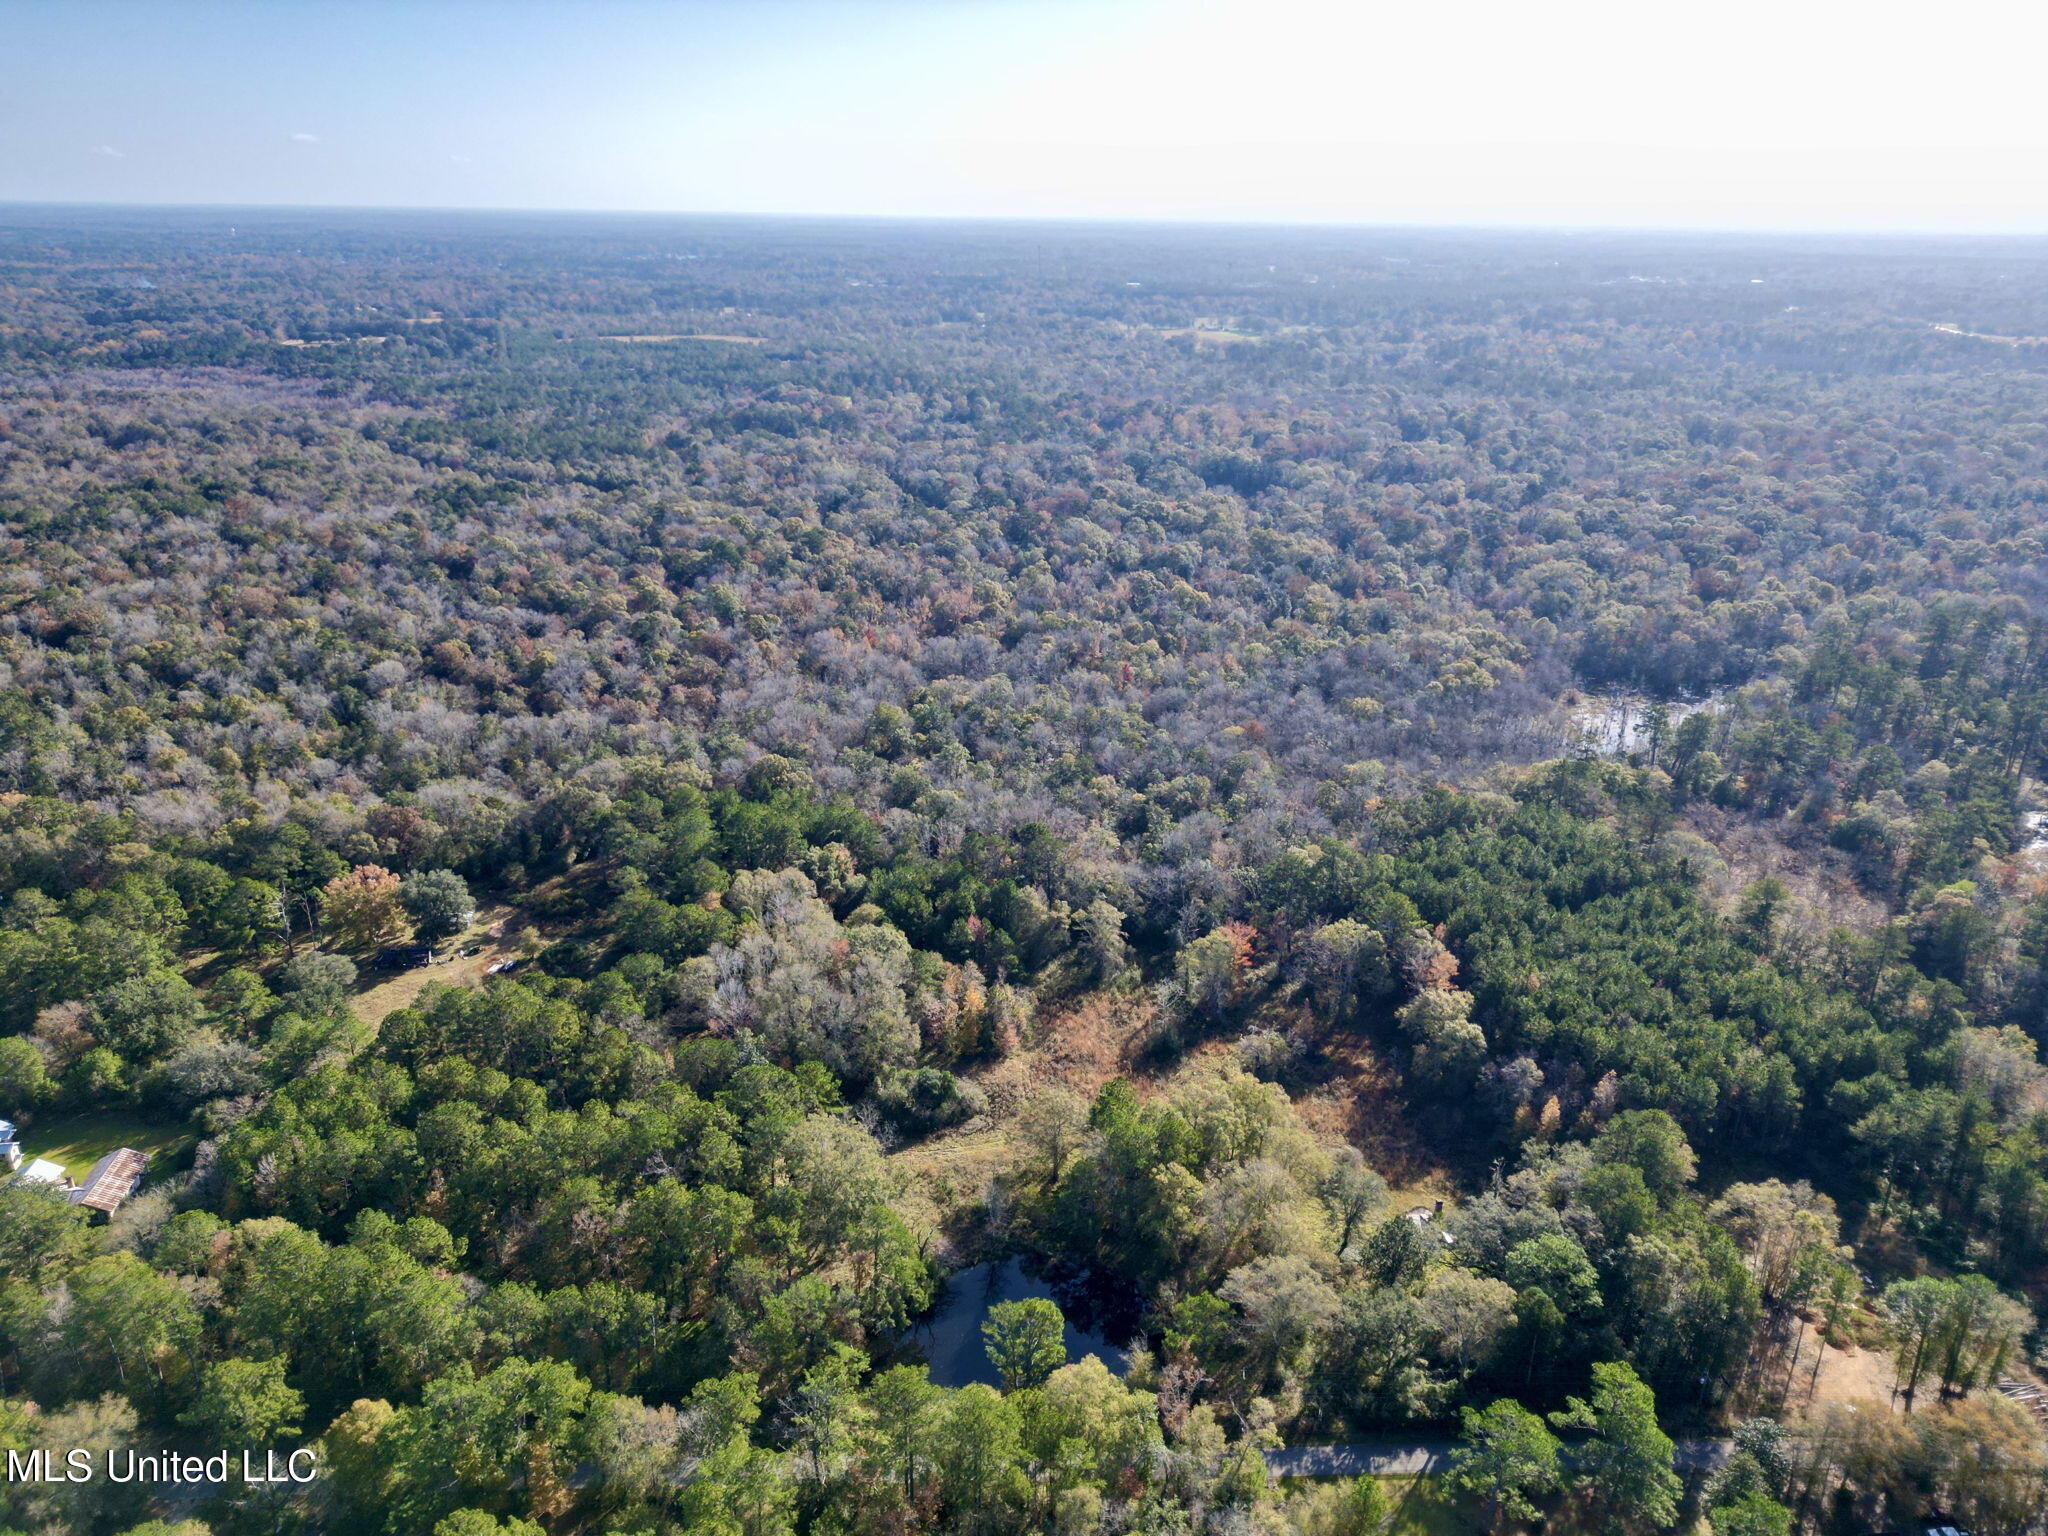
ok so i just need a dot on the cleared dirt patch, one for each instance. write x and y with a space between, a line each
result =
2010 341
743 341
1846 1376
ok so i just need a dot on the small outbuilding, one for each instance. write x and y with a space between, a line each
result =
41 1170
113 1179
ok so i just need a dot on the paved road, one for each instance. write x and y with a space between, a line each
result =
1408 1458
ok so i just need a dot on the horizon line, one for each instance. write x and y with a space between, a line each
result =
1102 221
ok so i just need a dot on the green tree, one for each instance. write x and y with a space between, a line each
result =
1102 941
1651 1142
1754 1514
1356 1508
1449 1044
248 915
1284 1304
96 1078
1352 1191
314 979
506 1439
24 1076
1053 1123
1085 1426
145 1015
438 902
1788 1234
1209 972
1912 1312
43 1236
245 1403
903 1405
122 1322
738 1489
1508 1460
1370 1367
1395 1253
1960 1331
99 1426
354 1462
1343 963
188 1242
1470 1316
1625 1469
1026 1341
1556 1265
478 1522
1980 1332
978 1446
1756 912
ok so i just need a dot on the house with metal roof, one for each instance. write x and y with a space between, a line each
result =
113 1179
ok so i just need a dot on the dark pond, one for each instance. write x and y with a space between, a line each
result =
951 1341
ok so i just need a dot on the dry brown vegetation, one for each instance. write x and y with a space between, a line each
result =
1820 882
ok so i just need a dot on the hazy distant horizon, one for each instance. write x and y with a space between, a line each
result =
1593 114
1052 222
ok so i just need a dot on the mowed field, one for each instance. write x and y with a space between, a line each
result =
79 1141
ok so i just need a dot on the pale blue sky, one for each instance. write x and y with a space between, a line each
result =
1576 112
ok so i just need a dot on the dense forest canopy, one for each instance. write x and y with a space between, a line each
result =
1442 833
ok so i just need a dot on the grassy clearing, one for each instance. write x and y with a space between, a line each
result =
375 1003
1216 338
79 1141
491 935
1422 1508
1079 1046
943 1178
1419 1506
1849 1375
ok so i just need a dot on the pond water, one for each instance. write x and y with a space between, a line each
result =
1618 726
951 1341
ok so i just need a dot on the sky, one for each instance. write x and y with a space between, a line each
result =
1564 113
